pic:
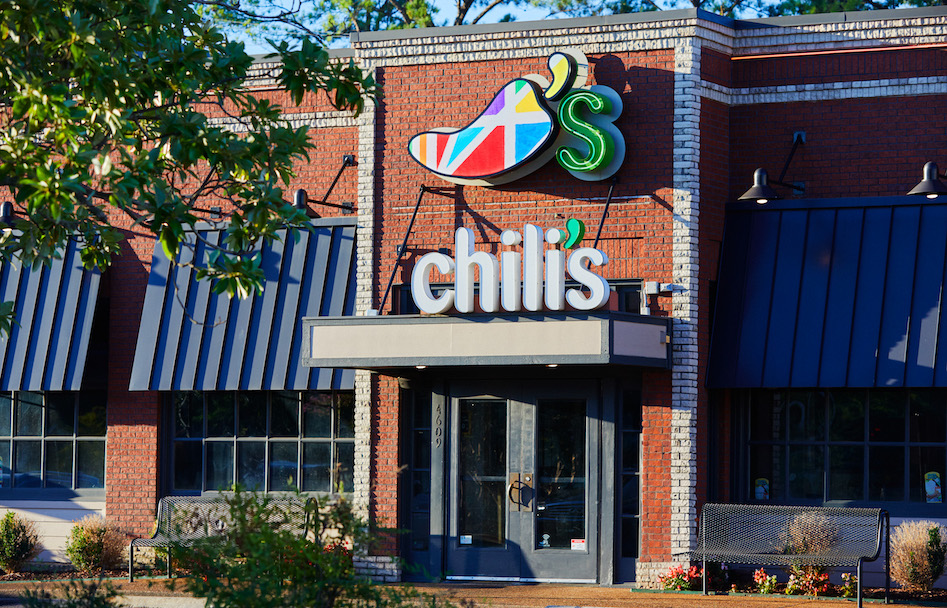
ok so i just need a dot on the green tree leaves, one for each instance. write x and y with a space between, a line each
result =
140 108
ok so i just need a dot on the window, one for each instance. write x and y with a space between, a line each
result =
273 441
630 473
53 440
847 445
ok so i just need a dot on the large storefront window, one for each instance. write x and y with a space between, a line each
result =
847 445
273 441
53 440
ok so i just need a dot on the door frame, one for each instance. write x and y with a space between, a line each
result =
599 504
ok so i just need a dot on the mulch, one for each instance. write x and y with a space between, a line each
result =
502 595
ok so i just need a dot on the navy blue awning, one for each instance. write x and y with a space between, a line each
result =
54 305
832 293
193 339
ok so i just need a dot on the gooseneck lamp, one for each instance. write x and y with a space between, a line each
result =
761 191
930 186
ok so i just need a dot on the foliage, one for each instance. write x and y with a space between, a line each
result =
807 7
808 533
94 545
849 587
77 594
807 580
764 583
19 542
109 124
679 579
918 549
265 561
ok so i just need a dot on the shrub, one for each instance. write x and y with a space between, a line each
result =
918 550
679 579
264 564
807 533
87 594
19 542
764 583
807 580
849 586
94 545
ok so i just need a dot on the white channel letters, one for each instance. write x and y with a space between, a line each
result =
534 279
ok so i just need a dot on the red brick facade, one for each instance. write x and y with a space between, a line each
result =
872 109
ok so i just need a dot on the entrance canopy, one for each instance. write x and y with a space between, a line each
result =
832 293
382 342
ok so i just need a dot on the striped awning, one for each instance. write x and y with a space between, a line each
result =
193 339
54 305
832 293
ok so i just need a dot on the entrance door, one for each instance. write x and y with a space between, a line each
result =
521 485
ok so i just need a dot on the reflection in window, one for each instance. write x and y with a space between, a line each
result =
52 440
267 441
849 445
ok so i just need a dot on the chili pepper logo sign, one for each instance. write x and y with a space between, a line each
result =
528 122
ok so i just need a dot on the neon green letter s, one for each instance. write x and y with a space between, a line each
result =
601 147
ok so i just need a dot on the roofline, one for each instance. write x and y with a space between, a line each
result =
645 17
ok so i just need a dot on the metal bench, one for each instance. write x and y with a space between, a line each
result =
183 520
774 535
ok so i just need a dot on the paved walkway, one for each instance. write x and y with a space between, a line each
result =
154 594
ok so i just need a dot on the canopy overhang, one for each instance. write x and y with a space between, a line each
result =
832 293
54 307
191 338
410 341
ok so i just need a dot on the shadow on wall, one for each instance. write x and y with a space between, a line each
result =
54 521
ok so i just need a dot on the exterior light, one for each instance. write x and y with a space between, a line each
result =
930 186
6 213
761 192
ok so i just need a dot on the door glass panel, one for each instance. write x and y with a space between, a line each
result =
482 471
560 504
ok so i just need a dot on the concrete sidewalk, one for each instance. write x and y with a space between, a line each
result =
493 595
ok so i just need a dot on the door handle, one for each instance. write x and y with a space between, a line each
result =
524 486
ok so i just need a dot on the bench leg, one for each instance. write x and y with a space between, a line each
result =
859 585
703 572
131 563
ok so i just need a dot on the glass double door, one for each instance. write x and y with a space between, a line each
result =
522 487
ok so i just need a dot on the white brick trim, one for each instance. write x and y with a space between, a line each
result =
364 277
826 91
684 302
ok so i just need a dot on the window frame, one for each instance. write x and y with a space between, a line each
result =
44 438
268 439
904 506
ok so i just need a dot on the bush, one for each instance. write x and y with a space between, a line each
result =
763 582
807 533
260 563
94 545
19 542
679 579
91 594
918 550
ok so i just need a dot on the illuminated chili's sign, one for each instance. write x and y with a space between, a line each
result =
528 276
528 122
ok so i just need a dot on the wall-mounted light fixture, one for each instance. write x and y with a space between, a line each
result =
301 199
930 186
761 191
6 214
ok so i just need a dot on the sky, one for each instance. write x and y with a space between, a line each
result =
447 11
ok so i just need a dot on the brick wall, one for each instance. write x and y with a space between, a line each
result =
135 430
